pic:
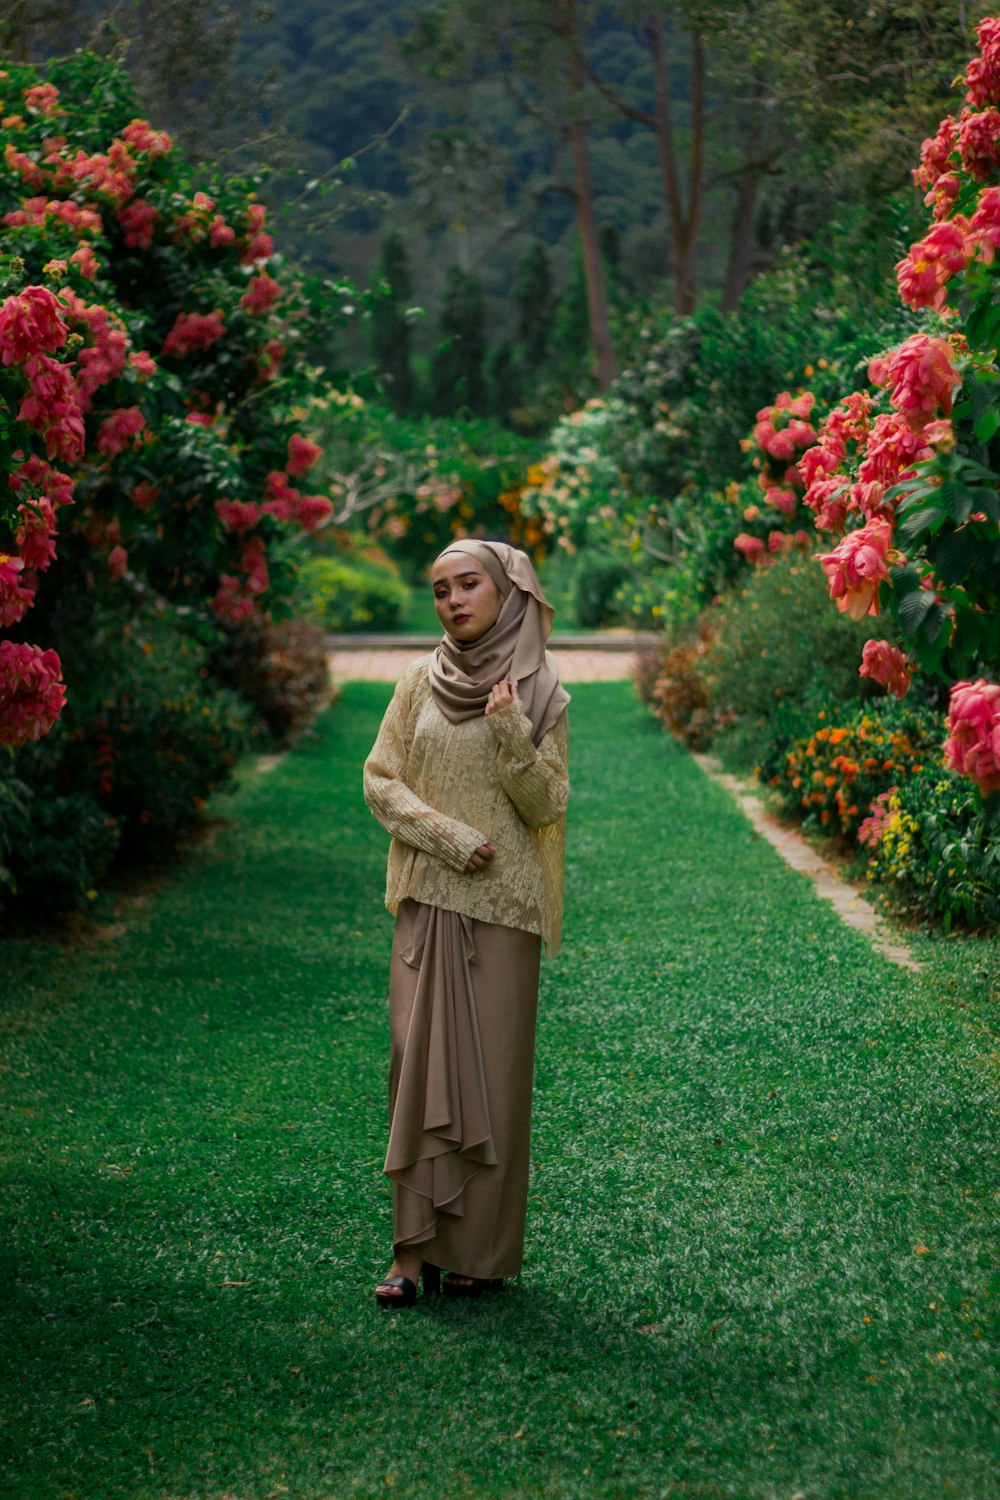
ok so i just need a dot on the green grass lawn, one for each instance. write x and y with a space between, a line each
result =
762 1233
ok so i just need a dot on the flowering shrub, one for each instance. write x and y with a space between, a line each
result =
141 345
831 776
932 854
908 478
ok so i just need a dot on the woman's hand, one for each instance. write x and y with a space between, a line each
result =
481 857
502 695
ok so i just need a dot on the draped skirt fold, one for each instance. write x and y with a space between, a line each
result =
463 998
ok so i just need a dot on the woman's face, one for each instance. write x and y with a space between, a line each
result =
465 597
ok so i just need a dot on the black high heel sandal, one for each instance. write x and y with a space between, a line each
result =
429 1275
472 1286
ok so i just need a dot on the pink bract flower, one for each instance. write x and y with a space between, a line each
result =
53 407
43 99
934 154
142 362
979 143
892 449
261 247
32 694
302 454
231 605
193 331
857 567
30 173
117 562
16 595
280 498
888 665
982 76
35 533
932 262
220 233
920 376
30 322
138 221
984 226
830 500
973 723
260 295
34 471
140 135
313 511
237 516
86 262
145 495
120 430
752 547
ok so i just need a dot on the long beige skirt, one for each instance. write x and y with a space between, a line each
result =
463 1001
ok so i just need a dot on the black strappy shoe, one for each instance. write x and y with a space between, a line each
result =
470 1286
431 1277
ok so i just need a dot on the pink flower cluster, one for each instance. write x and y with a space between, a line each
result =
193 331
783 430
888 665
973 723
879 813
260 295
920 378
32 693
857 567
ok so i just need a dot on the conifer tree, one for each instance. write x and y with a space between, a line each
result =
390 331
457 372
534 295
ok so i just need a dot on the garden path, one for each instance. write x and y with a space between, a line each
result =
762 1210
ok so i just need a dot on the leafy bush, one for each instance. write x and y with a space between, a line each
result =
57 847
933 855
343 594
831 776
776 641
279 667
598 580
680 694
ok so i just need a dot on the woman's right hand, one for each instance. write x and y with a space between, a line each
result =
481 857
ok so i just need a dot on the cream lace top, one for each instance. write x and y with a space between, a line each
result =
442 789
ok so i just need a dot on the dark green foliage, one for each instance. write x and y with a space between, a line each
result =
571 325
598 578
390 328
535 299
457 382
745 1124
58 848
505 380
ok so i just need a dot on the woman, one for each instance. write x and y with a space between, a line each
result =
469 775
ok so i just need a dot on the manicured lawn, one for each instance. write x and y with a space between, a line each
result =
763 1219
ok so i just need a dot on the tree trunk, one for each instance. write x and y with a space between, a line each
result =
741 238
748 180
684 226
593 265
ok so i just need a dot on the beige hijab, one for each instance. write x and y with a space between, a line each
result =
461 675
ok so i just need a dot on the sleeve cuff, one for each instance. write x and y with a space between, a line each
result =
512 727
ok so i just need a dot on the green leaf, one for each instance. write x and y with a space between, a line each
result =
958 500
914 608
918 521
954 557
987 425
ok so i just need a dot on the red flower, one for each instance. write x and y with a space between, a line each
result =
193 331
32 694
120 430
888 665
138 221
979 143
857 567
302 454
30 322
932 261
261 294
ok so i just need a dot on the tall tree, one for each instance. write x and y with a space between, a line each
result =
457 380
390 327
533 293
534 50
